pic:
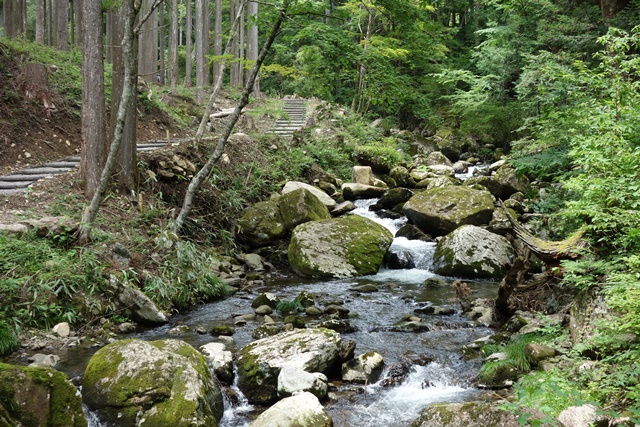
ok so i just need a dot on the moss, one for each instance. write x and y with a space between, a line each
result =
37 396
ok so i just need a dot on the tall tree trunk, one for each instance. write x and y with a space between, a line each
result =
174 68
161 32
50 24
234 68
610 8
14 16
40 20
241 47
53 22
252 42
188 26
148 53
125 169
202 174
62 15
217 41
77 4
200 47
129 42
206 42
93 103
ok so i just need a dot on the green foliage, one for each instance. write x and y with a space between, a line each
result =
184 275
549 392
41 282
288 307
8 339
515 356
385 152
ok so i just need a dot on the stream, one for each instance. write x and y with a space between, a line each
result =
447 379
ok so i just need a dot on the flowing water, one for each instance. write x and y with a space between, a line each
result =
447 379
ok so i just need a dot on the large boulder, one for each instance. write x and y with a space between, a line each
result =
324 197
341 247
300 206
472 252
261 223
293 380
303 409
510 181
220 359
259 363
474 414
488 182
394 197
439 211
38 397
354 191
167 383
362 175
135 304
364 369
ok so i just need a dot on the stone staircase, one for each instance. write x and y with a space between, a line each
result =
20 180
296 110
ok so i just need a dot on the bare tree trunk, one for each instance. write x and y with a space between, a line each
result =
125 169
93 102
241 49
50 24
40 20
161 32
23 25
234 67
200 47
252 42
63 24
202 174
217 40
129 42
14 18
174 68
188 26
79 39
148 53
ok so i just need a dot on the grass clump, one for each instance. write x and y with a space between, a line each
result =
288 307
8 339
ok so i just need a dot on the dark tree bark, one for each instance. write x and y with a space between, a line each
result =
40 21
93 151
200 46
610 8
161 32
174 69
202 174
62 15
252 41
188 27
148 53
217 42
79 36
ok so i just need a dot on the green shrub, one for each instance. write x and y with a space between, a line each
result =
8 339
288 307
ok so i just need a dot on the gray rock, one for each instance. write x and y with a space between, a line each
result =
220 360
303 409
437 158
354 191
473 252
343 208
362 175
394 197
136 305
165 382
488 182
402 177
337 248
300 206
511 182
293 380
253 261
261 223
474 414
536 353
482 311
442 210
263 310
266 298
260 363
366 368
324 197
62 329
47 360
582 416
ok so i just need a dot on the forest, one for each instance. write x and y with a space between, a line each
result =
551 87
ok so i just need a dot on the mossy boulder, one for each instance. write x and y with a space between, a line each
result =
38 397
488 182
394 197
510 181
364 369
300 206
318 192
261 223
260 363
402 177
474 414
341 247
439 211
355 191
473 252
167 383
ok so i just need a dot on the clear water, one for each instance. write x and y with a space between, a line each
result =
447 379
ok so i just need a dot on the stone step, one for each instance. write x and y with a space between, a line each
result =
75 159
15 185
152 145
22 177
61 164
44 170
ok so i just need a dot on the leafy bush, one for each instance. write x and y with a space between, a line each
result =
288 307
8 339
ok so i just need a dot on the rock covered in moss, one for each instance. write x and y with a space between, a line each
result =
474 414
303 409
294 380
510 181
38 397
488 182
166 383
321 195
354 191
300 206
260 363
261 223
439 211
472 251
394 197
337 248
